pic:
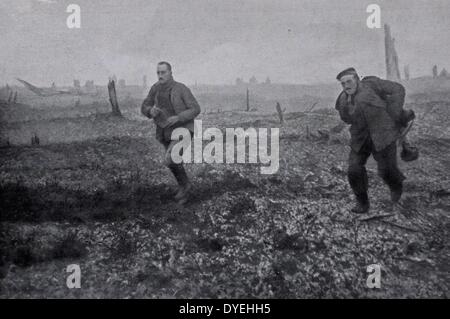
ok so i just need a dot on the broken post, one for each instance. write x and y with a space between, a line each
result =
435 71
392 69
35 140
113 98
248 101
15 97
144 82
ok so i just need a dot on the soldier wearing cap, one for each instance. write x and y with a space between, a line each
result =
171 105
374 109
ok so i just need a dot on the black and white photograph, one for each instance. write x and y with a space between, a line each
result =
224 149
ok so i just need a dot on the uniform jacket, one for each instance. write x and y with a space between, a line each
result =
184 104
378 106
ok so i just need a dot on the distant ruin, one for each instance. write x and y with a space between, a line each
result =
89 84
252 81
392 69
439 75
444 73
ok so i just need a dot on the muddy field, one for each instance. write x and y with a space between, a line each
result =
98 195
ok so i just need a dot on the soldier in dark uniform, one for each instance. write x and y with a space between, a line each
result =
171 105
374 109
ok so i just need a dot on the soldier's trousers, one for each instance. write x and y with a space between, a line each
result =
177 170
387 169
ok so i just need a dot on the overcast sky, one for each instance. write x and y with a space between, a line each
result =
215 41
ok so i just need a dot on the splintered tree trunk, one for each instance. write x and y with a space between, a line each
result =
10 97
113 98
280 113
392 69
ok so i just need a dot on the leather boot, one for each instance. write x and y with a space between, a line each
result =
396 194
184 186
362 204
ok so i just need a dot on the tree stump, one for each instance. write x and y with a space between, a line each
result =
280 112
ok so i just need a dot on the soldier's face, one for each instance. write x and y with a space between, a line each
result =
349 84
163 72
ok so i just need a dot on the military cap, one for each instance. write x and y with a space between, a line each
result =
349 71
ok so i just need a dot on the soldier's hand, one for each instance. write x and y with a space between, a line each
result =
154 112
173 120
